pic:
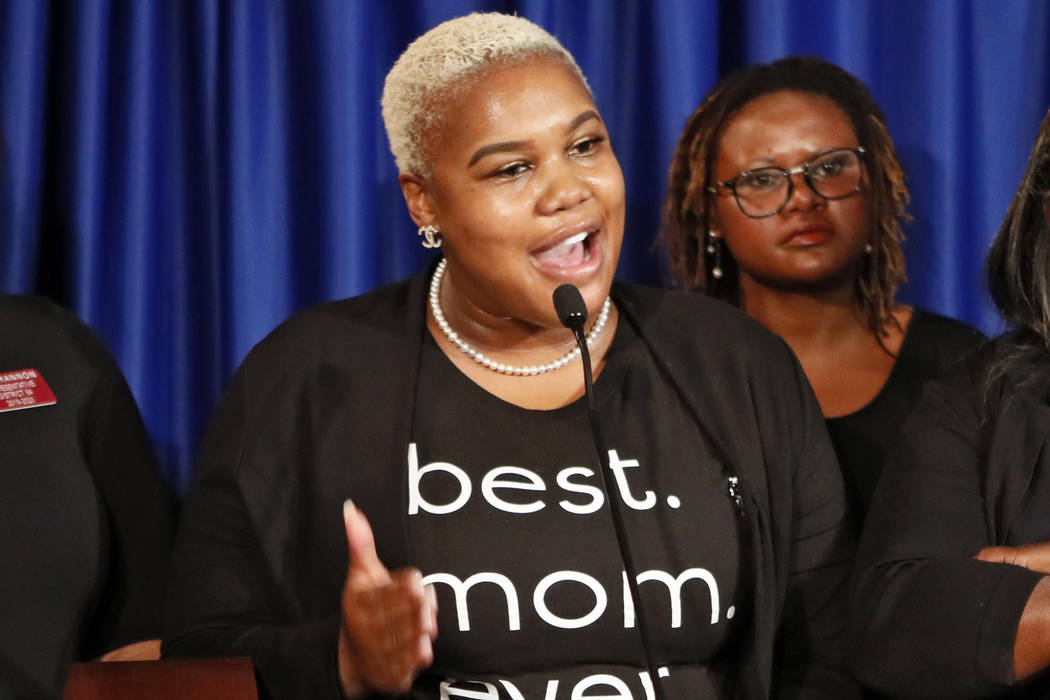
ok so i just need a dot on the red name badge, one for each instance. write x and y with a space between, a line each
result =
24 388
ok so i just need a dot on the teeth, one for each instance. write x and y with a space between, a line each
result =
573 240
569 252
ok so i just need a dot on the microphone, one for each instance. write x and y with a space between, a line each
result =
568 303
572 311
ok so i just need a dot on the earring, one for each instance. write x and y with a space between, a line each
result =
431 236
714 250
868 248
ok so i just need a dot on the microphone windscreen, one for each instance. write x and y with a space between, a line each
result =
568 303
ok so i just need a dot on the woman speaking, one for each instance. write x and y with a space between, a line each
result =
478 557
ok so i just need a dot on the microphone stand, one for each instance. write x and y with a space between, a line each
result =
573 314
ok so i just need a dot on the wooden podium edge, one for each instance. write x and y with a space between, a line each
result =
229 678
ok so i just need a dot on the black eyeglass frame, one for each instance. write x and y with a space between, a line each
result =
803 168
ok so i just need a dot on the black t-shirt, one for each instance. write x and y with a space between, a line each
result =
508 520
862 439
84 517
322 410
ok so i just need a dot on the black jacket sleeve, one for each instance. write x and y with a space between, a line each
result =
931 621
812 627
138 509
749 392
225 598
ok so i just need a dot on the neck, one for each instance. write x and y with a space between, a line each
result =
504 340
807 320
495 335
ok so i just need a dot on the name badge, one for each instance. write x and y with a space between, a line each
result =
24 388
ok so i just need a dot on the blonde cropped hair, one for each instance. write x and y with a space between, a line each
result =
434 66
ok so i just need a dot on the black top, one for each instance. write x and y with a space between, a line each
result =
523 481
931 621
323 409
931 344
85 519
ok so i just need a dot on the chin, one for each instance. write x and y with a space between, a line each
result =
816 282
595 291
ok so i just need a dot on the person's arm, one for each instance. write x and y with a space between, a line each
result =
1032 645
222 602
148 650
118 451
231 595
223 599
932 621
809 660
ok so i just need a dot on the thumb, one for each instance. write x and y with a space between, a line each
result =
362 545
1001 555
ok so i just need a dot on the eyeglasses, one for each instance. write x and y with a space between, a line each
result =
764 191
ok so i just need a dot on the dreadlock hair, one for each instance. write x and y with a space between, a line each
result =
1018 263
686 211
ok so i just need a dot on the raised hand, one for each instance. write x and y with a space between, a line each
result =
389 620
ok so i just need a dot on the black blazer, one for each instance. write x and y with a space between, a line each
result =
931 621
297 434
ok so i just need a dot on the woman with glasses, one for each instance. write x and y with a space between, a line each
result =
953 592
785 198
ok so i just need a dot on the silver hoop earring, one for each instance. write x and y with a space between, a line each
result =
714 251
431 236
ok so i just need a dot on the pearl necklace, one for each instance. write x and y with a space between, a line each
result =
481 359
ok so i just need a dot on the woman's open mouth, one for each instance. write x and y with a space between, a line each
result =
575 256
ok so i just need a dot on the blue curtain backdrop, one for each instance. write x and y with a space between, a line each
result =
185 173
